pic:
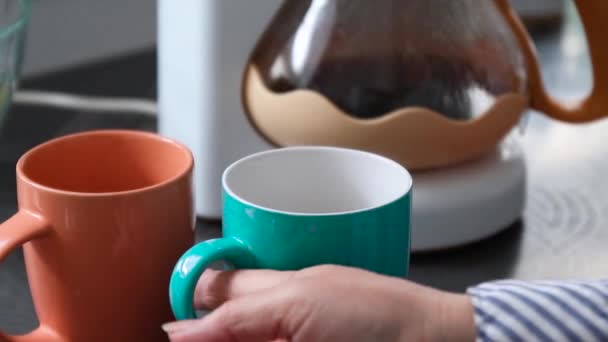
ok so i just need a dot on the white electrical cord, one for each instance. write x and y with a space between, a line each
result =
86 103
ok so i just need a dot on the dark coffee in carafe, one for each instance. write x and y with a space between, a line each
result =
374 57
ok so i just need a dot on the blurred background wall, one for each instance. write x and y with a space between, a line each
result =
70 32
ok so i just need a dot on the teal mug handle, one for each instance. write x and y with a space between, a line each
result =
193 263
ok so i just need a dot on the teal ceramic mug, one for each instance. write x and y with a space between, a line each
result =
297 207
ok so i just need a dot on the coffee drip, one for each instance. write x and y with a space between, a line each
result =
371 58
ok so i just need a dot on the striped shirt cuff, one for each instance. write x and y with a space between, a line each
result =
541 311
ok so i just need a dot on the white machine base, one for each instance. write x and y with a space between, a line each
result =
457 206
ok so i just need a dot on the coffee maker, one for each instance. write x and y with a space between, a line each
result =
204 50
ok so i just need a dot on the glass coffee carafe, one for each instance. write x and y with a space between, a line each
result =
427 82
374 57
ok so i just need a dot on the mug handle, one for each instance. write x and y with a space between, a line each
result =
19 229
193 263
593 107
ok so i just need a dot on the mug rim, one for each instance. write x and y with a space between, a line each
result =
115 132
407 189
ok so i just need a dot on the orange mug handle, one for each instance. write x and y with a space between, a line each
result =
595 106
19 229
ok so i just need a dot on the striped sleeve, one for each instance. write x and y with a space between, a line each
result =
541 311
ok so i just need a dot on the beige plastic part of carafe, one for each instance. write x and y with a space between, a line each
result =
418 138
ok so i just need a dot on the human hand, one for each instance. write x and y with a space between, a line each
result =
324 303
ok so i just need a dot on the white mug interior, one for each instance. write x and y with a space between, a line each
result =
316 180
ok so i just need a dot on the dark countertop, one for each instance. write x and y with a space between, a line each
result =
562 234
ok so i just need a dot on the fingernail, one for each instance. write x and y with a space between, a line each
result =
169 327
173 327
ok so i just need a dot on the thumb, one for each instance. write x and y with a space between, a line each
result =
266 316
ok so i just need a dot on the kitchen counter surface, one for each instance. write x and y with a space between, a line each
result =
562 234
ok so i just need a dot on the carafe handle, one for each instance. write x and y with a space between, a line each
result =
594 106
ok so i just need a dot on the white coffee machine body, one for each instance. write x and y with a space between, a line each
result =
204 47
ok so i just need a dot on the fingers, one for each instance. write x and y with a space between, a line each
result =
216 287
185 331
267 316
178 326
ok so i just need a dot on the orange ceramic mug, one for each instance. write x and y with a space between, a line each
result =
103 217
